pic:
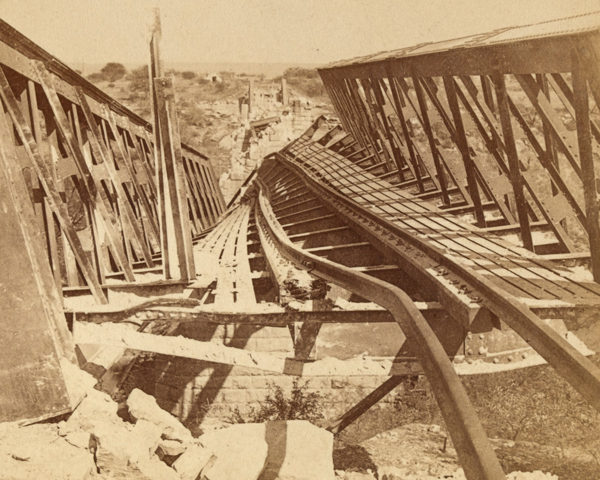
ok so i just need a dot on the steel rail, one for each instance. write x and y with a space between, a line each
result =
472 445
580 372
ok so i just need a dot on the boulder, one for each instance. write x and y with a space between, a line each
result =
170 448
144 407
240 450
298 450
192 462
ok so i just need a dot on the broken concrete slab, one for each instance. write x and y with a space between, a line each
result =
298 450
193 461
241 452
144 407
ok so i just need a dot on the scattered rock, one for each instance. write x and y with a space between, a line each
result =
241 452
170 448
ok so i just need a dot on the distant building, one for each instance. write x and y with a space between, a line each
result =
214 78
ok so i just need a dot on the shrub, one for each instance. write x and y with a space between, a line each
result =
139 79
188 75
96 77
113 71
299 405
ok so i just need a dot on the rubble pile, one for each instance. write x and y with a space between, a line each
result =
96 443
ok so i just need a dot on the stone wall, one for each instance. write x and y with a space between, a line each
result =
197 391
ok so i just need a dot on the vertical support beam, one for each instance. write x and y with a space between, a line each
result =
463 146
584 141
551 153
156 71
398 159
48 215
176 207
513 160
409 144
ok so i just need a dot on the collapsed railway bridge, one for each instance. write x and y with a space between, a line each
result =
455 195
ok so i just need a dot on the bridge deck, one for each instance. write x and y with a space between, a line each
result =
529 277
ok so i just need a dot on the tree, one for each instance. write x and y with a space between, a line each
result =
139 79
113 71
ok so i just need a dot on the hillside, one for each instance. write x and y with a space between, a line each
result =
210 112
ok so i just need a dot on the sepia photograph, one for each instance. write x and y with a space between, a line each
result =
299 240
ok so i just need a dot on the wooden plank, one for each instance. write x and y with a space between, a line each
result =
340 424
584 140
122 146
564 139
35 342
99 150
409 143
177 209
155 70
513 161
92 188
463 146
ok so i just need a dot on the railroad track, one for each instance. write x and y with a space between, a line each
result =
331 215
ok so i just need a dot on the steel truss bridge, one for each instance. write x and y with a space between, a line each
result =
457 190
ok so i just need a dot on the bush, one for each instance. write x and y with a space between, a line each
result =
188 75
139 79
305 80
113 71
299 405
95 77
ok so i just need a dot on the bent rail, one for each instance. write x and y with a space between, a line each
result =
473 448
580 372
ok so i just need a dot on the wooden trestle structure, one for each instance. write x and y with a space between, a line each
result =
444 152
82 210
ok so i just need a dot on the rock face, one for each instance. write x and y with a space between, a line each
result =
298 450
240 450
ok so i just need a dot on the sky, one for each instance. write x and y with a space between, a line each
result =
263 31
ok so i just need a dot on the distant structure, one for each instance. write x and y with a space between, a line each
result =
214 78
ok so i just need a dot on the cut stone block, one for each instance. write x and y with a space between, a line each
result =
241 452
